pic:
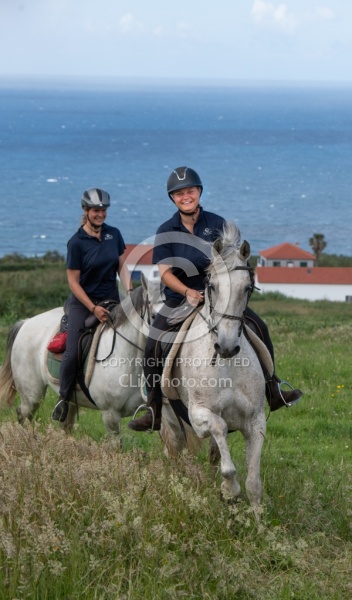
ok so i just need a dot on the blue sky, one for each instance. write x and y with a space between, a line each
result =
257 40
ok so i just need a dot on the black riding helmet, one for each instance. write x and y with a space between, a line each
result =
95 198
183 177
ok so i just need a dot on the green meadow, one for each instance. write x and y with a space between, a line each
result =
82 516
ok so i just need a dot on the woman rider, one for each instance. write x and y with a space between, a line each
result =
95 253
182 251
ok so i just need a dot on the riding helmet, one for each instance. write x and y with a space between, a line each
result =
95 198
183 177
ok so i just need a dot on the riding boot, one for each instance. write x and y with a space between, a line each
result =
278 398
145 423
60 411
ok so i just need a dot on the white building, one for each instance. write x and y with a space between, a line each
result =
289 270
315 283
286 255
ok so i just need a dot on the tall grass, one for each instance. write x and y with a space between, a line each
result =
81 518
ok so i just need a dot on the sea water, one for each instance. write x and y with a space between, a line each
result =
276 160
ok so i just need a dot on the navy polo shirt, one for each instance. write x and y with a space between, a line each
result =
188 254
97 260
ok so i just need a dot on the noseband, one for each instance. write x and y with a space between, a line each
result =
212 324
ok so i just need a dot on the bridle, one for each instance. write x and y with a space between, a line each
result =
211 323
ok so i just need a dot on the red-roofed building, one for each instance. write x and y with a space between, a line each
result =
286 255
288 269
139 260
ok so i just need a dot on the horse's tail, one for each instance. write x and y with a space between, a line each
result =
7 384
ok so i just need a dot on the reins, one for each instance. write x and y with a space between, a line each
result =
146 310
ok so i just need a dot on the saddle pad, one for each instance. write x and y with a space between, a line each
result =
53 362
171 392
168 390
261 350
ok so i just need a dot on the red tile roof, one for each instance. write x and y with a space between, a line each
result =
286 251
317 275
139 254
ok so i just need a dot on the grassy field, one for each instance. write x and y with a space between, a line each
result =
81 518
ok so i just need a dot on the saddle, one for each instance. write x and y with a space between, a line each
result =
89 333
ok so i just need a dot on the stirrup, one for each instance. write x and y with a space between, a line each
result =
287 404
143 407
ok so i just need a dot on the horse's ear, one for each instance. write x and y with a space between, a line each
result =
217 246
245 249
144 282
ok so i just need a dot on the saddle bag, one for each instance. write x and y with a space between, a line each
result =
58 343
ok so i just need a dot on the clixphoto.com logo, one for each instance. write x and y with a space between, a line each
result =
127 380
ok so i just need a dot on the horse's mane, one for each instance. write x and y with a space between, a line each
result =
129 305
226 247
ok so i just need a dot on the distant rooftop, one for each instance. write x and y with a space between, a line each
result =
286 251
139 254
316 275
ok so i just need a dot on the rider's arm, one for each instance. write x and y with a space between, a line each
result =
73 277
124 274
171 281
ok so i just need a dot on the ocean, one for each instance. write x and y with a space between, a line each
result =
277 160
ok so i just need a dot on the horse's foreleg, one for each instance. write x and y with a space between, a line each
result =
67 425
112 421
206 423
214 454
254 442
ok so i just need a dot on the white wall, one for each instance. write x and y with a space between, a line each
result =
309 291
151 272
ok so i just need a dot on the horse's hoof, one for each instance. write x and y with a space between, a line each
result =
20 417
231 499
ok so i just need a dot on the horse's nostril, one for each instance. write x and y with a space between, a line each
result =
226 352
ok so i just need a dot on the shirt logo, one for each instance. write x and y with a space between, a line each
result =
207 231
108 236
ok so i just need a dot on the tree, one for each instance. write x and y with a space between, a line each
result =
318 244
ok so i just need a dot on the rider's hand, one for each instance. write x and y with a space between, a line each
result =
101 313
194 297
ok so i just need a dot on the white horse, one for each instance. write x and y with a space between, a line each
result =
116 369
217 375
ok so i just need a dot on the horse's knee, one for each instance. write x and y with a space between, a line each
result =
112 423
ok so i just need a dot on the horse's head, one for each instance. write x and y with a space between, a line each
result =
135 308
230 283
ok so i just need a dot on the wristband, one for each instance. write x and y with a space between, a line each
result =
93 309
130 290
186 292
